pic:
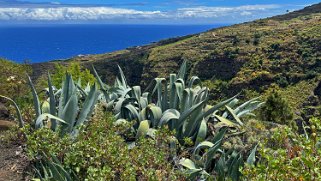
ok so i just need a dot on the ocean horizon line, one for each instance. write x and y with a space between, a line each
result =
43 43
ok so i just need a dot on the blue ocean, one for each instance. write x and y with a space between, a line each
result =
40 43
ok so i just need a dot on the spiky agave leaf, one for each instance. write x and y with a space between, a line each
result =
202 132
193 81
160 85
52 102
88 105
221 167
169 117
182 70
172 91
54 169
188 163
69 114
36 101
233 114
46 117
82 91
122 102
209 155
192 171
67 91
213 147
182 121
122 78
248 107
234 162
251 159
201 145
154 114
191 124
136 93
102 85
129 112
20 120
224 122
216 107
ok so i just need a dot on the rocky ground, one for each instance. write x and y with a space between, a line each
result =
13 162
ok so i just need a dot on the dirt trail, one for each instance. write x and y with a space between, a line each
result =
13 162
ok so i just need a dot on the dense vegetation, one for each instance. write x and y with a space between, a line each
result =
94 125
64 132
169 131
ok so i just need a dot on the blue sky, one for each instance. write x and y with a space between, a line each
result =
144 12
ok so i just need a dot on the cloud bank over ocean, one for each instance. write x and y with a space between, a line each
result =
17 12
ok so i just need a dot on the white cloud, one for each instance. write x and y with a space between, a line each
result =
212 12
73 13
60 13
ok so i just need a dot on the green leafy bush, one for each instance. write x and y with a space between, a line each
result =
288 155
276 109
14 83
100 152
13 78
74 69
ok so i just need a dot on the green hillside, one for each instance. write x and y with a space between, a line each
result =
249 57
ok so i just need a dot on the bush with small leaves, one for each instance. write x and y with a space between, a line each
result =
288 155
100 152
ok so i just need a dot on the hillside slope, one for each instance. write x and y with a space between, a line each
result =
248 57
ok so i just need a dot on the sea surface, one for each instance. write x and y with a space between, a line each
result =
40 43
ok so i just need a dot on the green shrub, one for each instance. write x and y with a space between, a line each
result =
276 109
256 40
74 69
101 153
13 78
288 156
14 83
44 141
282 81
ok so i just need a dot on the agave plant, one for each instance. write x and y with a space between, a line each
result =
179 105
51 168
67 114
111 94
215 160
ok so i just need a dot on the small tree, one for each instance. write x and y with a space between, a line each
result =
276 109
